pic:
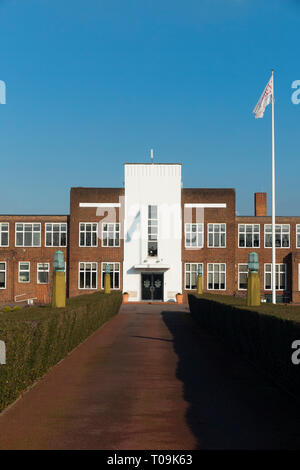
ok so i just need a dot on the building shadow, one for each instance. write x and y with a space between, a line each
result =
231 405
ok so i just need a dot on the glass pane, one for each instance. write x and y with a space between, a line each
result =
4 238
28 239
36 238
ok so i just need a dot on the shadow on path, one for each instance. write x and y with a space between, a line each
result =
231 405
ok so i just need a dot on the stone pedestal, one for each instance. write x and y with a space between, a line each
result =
107 283
253 293
59 289
199 284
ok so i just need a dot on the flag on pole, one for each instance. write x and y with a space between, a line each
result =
264 100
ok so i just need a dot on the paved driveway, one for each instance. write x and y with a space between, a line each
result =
151 379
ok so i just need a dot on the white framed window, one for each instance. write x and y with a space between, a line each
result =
298 236
55 234
4 234
194 235
282 236
88 234
110 234
152 230
43 270
216 235
243 276
28 234
249 235
87 278
24 271
280 276
114 274
2 274
216 276
191 275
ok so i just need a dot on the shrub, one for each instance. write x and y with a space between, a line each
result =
16 307
7 308
264 334
37 338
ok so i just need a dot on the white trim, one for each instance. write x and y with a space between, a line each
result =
185 263
60 232
5 271
185 232
270 233
252 233
97 233
23 270
99 204
241 264
217 223
270 272
96 271
114 232
2 223
207 272
37 273
111 262
297 246
206 205
23 231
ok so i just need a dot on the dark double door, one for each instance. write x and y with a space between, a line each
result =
153 286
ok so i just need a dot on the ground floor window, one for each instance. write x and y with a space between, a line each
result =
216 276
87 275
2 275
243 276
114 275
24 271
191 274
43 270
280 276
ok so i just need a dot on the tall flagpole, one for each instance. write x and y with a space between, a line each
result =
273 203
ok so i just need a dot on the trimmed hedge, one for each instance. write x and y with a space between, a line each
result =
37 338
264 335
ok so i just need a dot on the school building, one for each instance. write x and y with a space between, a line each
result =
155 235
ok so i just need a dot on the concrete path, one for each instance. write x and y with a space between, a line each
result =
151 379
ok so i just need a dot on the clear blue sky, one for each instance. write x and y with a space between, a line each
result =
92 84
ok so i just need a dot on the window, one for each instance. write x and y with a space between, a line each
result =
217 235
297 236
280 276
2 275
114 275
249 236
87 275
111 234
28 234
4 234
193 235
191 275
152 230
88 234
243 276
24 271
216 276
43 273
56 234
282 236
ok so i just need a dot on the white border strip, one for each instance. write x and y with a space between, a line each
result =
206 205
99 204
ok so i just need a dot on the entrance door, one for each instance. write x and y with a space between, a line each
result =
153 286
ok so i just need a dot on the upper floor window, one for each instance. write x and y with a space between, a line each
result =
152 230
2 275
280 276
282 236
193 235
297 236
111 234
217 235
249 235
43 270
4 234
28 234
24 271
191 274
216 276
88 234
114 275
56 234
87 275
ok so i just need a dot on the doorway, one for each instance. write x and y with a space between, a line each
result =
153 286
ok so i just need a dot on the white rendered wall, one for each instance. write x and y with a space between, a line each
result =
160 185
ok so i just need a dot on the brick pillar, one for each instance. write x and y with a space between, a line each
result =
260 204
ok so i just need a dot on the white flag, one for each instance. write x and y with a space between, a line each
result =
264 100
